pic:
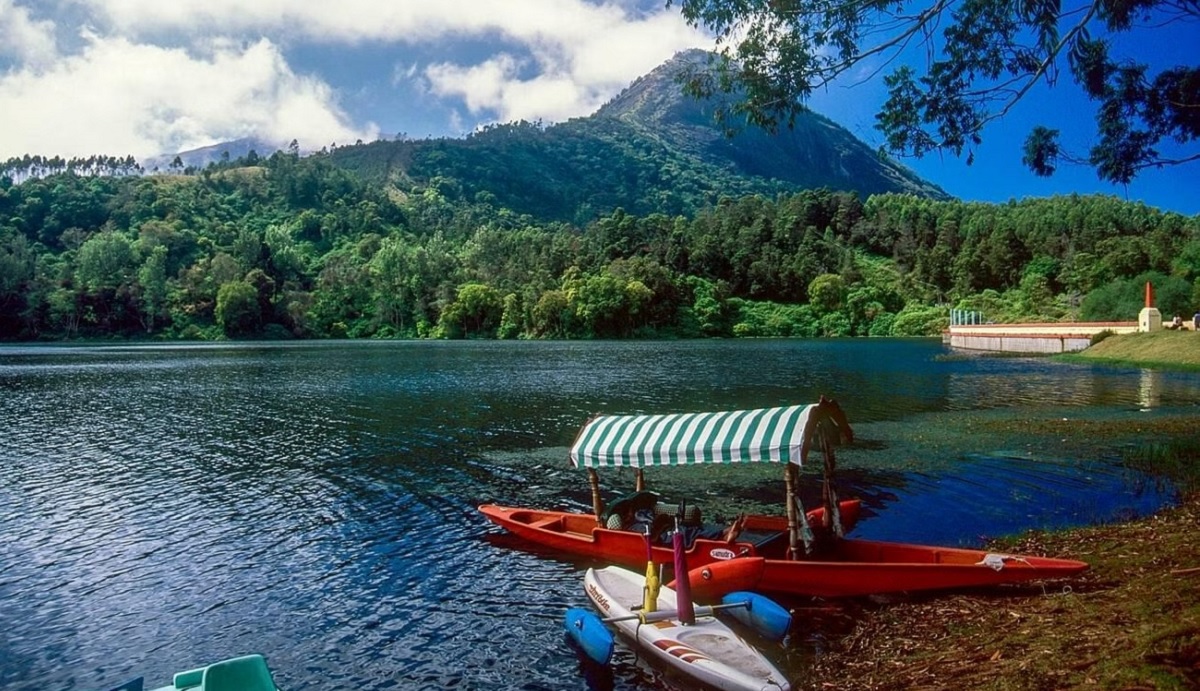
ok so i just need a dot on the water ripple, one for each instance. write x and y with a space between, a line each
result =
167 506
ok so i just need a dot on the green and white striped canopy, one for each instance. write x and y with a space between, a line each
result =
770 435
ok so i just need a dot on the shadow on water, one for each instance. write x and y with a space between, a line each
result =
164 507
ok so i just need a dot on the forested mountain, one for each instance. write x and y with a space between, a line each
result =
287 247
652 149
815 152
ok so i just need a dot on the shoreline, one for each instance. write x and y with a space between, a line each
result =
1132 621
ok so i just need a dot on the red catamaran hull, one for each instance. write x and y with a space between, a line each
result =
578 534
842 568
865 567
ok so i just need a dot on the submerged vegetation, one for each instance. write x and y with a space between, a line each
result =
1177 459
291 247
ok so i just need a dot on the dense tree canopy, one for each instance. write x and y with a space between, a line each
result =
980 58
298 248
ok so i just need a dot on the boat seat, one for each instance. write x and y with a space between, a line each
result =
692 517
552 523
247 673
765 540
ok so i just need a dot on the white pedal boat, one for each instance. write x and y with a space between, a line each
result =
707 651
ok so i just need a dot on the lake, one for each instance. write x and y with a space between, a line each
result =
165 506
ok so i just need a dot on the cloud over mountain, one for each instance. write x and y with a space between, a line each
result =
145 76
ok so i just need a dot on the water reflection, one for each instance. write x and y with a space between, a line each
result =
1033 382
1149 388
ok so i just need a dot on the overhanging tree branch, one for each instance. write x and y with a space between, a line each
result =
982 58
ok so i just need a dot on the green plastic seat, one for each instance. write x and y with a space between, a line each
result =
247 673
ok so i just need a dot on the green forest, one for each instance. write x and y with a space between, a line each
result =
299 247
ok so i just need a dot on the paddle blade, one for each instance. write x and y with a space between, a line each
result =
759 613
590 634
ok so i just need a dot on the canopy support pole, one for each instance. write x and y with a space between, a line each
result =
806 532
789 487
597 505
833 514
639 481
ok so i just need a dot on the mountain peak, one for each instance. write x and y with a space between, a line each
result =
813 152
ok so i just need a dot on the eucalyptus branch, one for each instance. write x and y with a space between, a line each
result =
834 70
1046 64
982 58
1160 162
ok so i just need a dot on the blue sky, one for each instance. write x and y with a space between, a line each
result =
145 77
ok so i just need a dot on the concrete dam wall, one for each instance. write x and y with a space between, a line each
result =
1070 337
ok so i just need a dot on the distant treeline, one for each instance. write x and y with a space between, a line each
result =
291 247
25 167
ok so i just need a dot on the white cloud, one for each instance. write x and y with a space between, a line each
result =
410 21
573 54
153 75
118 97
493 87
481 86
27 40
577 62
403 73
624 51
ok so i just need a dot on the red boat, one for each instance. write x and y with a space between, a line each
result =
578 534
867 567
804 553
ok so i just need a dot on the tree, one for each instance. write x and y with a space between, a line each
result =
238 311
476 312
152 280
826 293
981 58
16 263
1122 300
552 315
16 271
510 318
264 287
710 307
106 262
64 310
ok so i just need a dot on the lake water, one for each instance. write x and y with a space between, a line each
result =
167 506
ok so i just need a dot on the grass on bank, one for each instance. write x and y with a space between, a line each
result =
1168 349
1132 621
